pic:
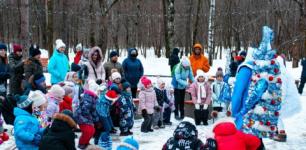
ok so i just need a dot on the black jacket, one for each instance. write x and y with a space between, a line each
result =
303 63
174 58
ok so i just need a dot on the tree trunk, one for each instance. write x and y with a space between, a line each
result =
211 31
196 24
49 21
24 25
168 13
92 38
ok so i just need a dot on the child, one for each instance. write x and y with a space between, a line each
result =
185 137
86 114
67 100
201 97
147 104
114 78
161 96
55 96
128 143
127 108
60 134
77 89
27 132
168 108
102 108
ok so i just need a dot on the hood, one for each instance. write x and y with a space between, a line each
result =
130 50
67 99
264 51
19 112
185 130
175 51
92 50
224 127
62 122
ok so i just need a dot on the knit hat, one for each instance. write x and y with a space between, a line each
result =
243 54
128 143
37 97
59 43
3 46
116 75
160 82
39 78
75 67
34 50
113 53
145 81
79 46
115 88
197 45
185 62
17 48
111 95
23 101
57 91
68 87
200 73
69 76
219 73
125 84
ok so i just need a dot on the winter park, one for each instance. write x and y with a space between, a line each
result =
152 75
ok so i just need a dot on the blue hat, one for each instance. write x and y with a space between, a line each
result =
115 88
3 46
23 101
125 84
113 53
128 143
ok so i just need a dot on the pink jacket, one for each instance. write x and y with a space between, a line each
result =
147 100
194 90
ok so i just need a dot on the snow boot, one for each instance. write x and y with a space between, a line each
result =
204 114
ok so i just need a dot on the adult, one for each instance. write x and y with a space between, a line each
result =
58 65
79 53
303 76
95 70
179 82
32 65
113 64
234 64
16 68
198 60
133 69
174 58
4 71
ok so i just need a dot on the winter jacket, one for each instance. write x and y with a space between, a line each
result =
4 75
133 69
194 93
199 62
216 92
103 106
25 128
228 137
65 104
185 137
233 68
108 66
16 68
95 71
58 67
52 108
147 100
161 96
303 63
179 80
77 57
127 108
86 112
32 66
174 58
60 135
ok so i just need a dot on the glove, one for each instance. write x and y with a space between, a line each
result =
211 144
144 113
99 81
197 106
36 139
205 106
157 108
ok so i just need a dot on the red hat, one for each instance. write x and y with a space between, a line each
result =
111 95
17 48
239 58
145 81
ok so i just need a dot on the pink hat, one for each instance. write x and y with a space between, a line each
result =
145 81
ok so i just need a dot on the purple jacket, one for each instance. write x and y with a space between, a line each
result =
194 90
147 100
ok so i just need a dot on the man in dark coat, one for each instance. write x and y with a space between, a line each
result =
303 76
16 68
32 65
174 58
133 69
113 64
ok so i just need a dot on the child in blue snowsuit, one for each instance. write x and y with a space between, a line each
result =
102 109
127 109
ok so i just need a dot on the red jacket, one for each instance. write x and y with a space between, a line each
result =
228 137
66 104
77 57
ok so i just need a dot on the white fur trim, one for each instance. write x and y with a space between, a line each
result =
261 127
259 110
224 120
112 99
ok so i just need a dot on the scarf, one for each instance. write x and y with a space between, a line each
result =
201 93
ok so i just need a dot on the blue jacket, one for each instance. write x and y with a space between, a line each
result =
25 128
303 63
179 80
133 69
103 107
4 72
127 109
58 67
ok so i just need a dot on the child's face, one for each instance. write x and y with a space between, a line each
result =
75 78
128 90
201 79
43 107
162 86
149 86
219 78
117 80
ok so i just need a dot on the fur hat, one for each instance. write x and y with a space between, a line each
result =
65 116
57 91
128 143
3 46
34 50
113 53
116 75
111 95
79 47
17 48
201 73
185 62
37 97
59 43
23 101
145 81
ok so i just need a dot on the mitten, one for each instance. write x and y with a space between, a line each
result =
36 139
214 114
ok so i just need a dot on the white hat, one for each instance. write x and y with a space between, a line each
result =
57 91
59 43
79 46
116 75
68 87
200 73
159 82
37 97
93 86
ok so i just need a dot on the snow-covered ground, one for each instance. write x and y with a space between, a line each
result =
295 126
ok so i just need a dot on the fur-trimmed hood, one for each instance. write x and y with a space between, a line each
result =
65 118
91 52
225 126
